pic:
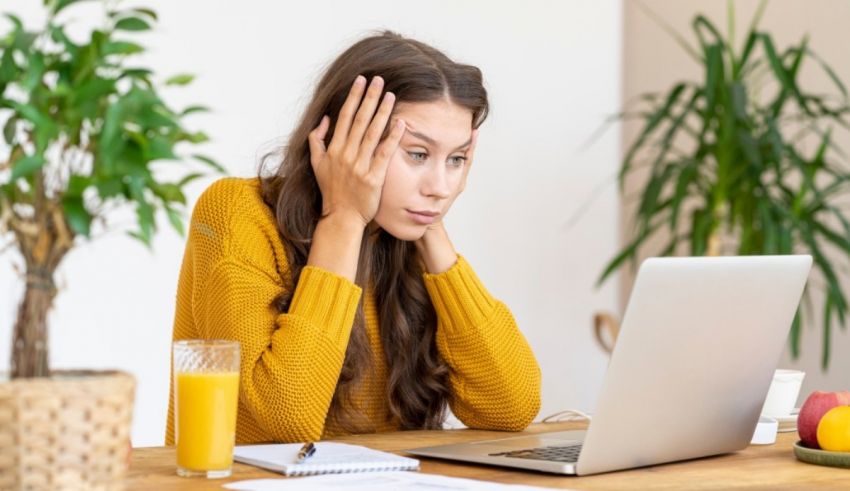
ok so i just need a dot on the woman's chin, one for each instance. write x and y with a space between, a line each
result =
407 233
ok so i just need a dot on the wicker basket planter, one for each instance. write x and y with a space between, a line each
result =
70 431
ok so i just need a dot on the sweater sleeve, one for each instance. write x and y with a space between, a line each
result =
290 362
494 376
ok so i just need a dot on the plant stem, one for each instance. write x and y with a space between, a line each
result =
713 247
29 347
43 241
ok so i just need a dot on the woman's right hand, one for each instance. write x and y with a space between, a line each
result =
351 170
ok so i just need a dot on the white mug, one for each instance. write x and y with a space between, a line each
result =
783 393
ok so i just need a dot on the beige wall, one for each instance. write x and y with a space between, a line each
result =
652 62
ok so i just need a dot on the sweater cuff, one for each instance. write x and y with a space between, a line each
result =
327 301
459 297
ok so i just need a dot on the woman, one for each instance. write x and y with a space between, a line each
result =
354 312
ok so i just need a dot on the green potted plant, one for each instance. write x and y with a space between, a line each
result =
83 133
745 157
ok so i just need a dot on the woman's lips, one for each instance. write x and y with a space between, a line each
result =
423 217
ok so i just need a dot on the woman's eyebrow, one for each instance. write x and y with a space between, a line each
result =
431 141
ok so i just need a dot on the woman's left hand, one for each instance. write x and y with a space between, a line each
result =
434 246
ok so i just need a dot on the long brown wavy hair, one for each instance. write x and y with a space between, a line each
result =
418 377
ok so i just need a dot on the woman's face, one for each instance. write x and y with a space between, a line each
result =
428 170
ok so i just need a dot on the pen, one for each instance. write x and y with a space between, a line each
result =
307 451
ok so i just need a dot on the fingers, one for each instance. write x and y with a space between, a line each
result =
364 116
376 129
316 139
349 107
386 150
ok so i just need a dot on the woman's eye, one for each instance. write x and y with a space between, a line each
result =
457 161
418 156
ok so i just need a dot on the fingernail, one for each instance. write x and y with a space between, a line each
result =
360 80
399 123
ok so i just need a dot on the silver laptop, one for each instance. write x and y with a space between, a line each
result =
696 353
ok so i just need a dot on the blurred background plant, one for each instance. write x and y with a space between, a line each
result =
84 131
744 162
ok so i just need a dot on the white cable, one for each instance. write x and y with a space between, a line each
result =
567 415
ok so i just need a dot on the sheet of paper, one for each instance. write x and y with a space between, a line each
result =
375 481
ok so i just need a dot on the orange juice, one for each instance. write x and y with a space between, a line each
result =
206 419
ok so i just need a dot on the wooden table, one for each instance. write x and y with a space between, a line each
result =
756 467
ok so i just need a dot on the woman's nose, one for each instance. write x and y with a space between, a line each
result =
435 182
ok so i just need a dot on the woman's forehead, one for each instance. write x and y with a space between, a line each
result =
440 123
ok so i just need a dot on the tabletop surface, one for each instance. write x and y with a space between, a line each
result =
756 467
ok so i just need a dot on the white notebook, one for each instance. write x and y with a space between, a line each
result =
330 458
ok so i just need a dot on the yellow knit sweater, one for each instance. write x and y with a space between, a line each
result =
232 269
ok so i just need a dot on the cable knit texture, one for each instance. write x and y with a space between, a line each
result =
232 271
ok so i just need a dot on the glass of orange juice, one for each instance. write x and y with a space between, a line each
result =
206 389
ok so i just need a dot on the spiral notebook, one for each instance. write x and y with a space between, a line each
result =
330 458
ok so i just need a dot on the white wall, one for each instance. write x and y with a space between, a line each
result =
553 72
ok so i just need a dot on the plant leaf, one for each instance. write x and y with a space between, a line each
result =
27 165
829 71
210 162
176 220
144 11
16 21
78 217
194 109
794 335
670 31
182 79
121 48
8 68
132 24
169 192
189 178
10 129
59 5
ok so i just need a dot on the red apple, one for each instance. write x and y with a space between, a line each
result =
816 405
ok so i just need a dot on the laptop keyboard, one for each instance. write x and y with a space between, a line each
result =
568 453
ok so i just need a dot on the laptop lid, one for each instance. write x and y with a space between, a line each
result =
699 342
